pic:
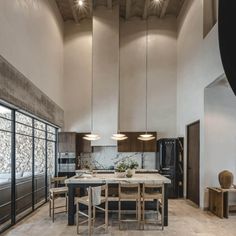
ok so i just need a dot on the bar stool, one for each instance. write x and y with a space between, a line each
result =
130 192
55 192
93 202
153 192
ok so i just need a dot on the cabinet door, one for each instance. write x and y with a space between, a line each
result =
125 145
136 144
67 142
150 146
83 145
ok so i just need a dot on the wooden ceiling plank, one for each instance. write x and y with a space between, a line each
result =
109 4
145 10
164 8
127 9
73 9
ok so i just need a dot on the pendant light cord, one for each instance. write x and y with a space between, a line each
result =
118 115
146 73
92 76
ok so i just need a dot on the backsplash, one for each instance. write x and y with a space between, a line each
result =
107 157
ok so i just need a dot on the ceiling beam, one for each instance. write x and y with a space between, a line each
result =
109 4
127 9
164 8
74 12
145 10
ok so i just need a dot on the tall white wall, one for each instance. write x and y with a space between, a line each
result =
220 136
105 73
31 39
199 64
162 66
161 75
77 76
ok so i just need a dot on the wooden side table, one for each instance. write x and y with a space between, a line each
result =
219 201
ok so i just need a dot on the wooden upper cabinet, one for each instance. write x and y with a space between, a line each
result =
67 142
83 145
133 144
150 146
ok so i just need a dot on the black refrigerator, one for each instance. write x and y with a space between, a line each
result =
169 162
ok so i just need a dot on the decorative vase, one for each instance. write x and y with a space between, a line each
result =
130 172
226 179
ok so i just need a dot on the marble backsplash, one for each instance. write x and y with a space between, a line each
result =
107 157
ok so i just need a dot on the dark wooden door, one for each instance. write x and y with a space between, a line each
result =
193 156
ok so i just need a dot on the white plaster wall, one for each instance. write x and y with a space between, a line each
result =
220 135
31 39
105 73
198 65
77 76
162 66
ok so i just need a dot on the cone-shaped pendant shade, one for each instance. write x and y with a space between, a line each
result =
118 138
91 137
147 138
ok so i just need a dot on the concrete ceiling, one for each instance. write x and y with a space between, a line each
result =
70 9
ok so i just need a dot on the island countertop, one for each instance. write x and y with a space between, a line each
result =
112 171
109 178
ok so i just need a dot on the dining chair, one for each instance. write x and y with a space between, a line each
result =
129 192
57 189
153 192
93 203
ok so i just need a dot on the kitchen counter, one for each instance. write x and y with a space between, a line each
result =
110 178
112 171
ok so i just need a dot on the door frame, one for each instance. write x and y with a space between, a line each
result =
187 161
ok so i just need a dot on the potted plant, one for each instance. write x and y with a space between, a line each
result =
131 167
120 169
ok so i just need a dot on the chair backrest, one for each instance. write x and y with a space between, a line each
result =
131 189
58 181
104 192
153 188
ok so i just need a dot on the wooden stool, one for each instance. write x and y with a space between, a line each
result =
56 192
130 192
90 203
153 192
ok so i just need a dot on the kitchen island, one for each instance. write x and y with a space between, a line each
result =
76 182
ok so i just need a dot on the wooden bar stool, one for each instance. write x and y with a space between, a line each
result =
130 192
56 192
92 205
151 192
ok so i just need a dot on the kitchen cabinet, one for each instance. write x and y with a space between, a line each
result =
66 142
67 153
133 144
83 145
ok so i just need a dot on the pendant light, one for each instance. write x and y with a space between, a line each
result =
91 136
146 136
119 136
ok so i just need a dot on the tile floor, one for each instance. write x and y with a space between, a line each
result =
184 219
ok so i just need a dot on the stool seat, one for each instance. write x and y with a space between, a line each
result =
85 200
58 190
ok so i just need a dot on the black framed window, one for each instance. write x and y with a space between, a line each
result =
27 161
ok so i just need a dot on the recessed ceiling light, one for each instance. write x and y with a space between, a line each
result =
80 2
